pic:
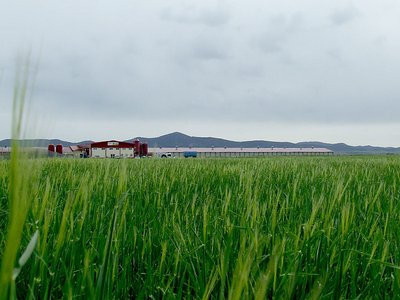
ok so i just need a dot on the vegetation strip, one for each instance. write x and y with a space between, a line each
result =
282 227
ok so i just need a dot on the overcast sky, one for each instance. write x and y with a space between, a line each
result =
324 70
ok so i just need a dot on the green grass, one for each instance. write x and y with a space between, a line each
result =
282 227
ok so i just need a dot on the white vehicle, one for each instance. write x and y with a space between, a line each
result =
165 155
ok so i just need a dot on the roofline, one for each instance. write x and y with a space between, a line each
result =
240 150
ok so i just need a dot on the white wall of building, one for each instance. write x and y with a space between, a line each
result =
127 152
99 152
113 152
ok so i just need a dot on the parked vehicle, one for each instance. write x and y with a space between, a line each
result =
188 154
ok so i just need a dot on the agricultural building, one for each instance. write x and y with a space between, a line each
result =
104 149
69 151
116 149
112 149
5 152
239 152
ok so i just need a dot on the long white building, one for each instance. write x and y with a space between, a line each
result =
239 152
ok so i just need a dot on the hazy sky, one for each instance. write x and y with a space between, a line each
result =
282 70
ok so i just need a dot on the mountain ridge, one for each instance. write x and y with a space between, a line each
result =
178 139
42 142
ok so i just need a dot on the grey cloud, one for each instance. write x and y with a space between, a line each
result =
206 49
380 41
199 52
334 53
207 62
277 30
271 42
344 15
250 69
214 17
191 14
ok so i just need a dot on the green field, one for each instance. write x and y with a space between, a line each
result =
282 228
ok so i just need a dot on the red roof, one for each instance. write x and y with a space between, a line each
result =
112 144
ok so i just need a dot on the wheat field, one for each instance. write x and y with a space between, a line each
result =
281 228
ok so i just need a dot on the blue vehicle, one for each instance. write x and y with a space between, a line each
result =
188 154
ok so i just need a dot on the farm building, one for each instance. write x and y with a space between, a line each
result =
239 152
112 149
5 152
116 149
68 151
104 149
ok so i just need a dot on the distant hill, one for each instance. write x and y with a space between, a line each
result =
182 140
42 143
